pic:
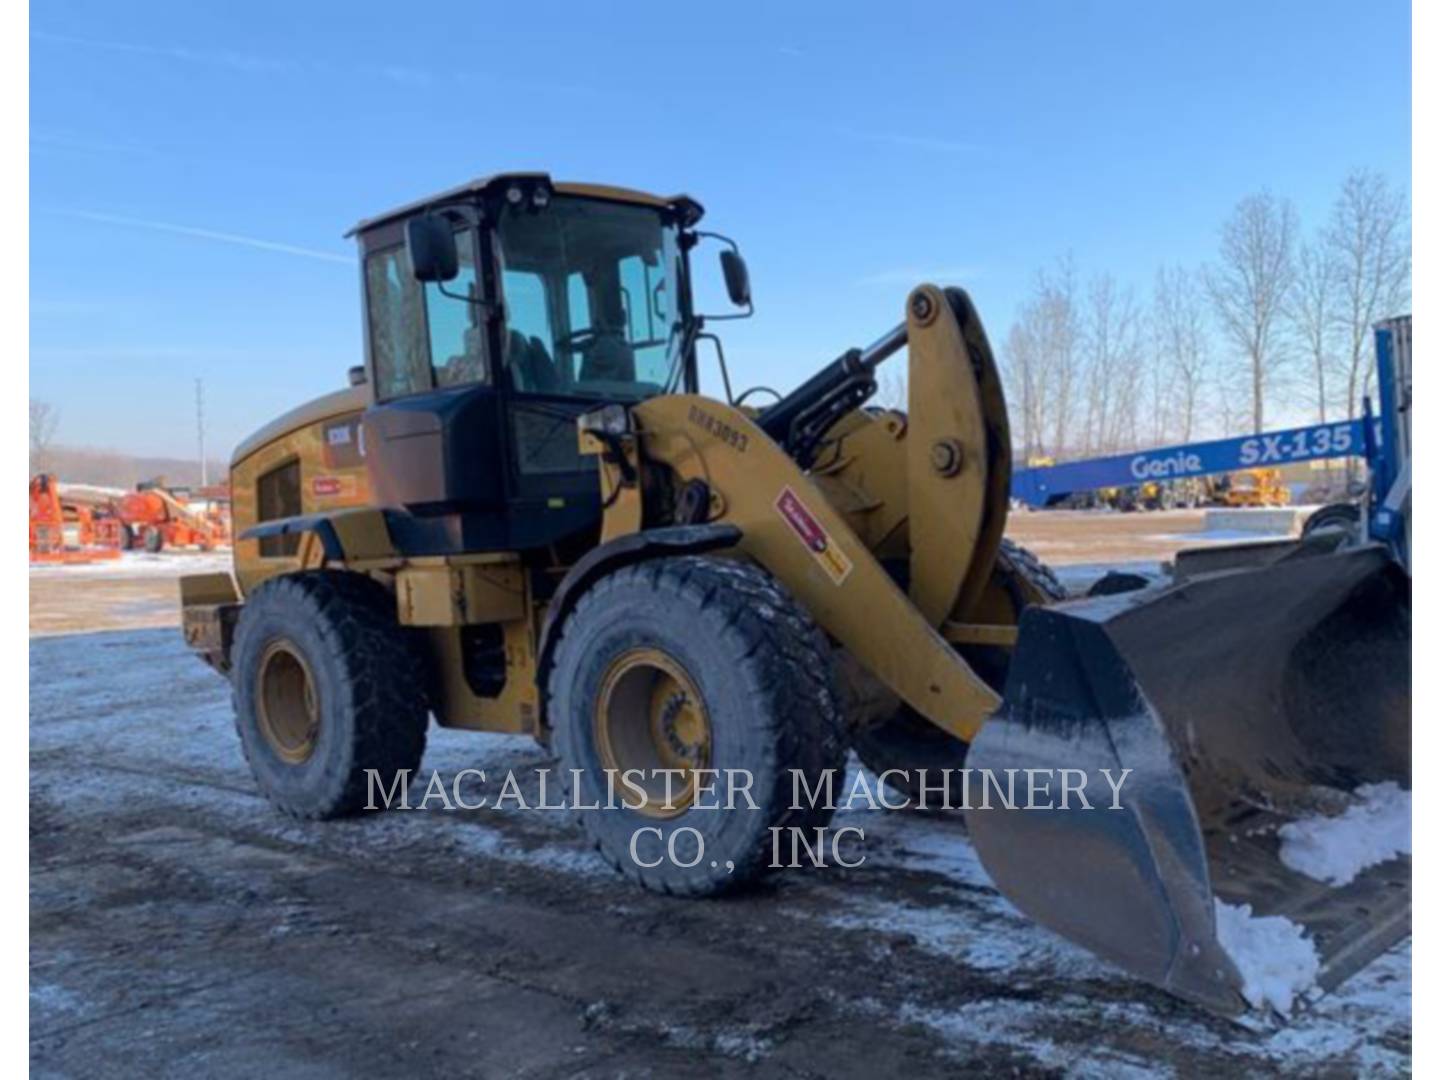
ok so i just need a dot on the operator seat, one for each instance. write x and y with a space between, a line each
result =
530 365
469 366
609 358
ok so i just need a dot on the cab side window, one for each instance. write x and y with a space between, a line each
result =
397 325
277 495
530 344
457 338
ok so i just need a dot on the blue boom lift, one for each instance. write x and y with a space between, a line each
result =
1377 440
1045 485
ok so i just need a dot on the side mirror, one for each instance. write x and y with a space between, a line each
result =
358 376
737 277
430 243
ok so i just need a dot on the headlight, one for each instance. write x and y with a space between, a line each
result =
608 419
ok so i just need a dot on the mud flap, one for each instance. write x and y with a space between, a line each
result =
1239 701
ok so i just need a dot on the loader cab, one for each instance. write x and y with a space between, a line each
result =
496 314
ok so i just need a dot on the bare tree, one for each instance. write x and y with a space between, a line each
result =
1368 239
1112 355
44 418
1313 312
1024 380
1250 283
1057 322
1042 361
1182 347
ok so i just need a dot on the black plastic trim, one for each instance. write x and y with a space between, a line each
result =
303 523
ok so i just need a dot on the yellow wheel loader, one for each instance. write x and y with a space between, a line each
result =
524 516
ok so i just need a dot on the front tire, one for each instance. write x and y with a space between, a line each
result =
328 693
694 663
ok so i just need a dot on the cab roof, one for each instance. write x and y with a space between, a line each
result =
689 210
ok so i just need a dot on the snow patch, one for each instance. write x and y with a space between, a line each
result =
1078 577
1277 962
1220 536
133 564
1021 1026
1375 829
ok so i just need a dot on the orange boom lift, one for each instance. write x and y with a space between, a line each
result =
156 518
69 531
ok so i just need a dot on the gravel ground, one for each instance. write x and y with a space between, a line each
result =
180 927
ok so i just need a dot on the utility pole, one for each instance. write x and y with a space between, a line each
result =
200 428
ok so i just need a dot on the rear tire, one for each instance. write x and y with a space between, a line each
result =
327 688
154 541
689 628
907 743
1342 515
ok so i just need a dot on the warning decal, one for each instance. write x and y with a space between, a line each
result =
328 487
812 534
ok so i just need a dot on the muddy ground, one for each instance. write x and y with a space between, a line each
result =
180 927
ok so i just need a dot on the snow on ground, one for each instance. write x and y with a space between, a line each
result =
1277 962
121 708
1221 536
993 935
133 564
966 921
1374 829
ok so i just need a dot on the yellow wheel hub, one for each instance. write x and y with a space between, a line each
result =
650 717
287 706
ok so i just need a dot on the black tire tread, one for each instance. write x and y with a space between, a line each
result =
385 691
787 658
1344 514
1025 563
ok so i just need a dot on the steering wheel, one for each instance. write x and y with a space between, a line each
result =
578 340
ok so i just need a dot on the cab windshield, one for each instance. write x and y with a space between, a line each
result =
590 292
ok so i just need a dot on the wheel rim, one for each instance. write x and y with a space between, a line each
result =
650 716
287 706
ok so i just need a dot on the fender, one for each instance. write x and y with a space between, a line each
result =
319 524
359 537
611 556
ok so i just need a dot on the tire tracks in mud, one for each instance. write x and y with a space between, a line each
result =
536 921
785 979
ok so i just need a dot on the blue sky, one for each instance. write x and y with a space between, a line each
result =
193 166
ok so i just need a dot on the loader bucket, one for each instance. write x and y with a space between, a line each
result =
1240 700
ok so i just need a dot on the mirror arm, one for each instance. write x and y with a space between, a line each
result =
731 244
749 310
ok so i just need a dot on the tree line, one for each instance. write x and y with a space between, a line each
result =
1280 314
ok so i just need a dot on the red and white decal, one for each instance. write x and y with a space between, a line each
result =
812 534
327 487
